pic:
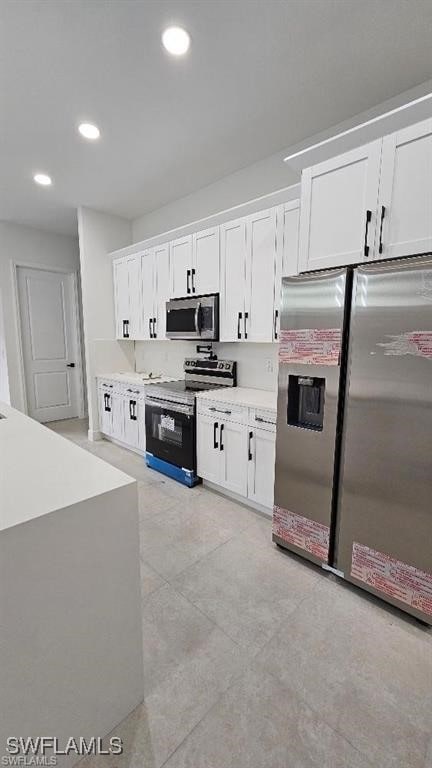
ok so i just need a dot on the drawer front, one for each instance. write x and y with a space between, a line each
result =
131 390
106 385
224 411
264 419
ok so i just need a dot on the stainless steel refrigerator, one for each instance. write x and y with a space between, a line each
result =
353 484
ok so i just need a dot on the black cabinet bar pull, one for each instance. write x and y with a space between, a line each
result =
276 315
193 284
249 447
154 328
380 247
238 325
150 328
368 220
215 428
221 446
246 315
188 274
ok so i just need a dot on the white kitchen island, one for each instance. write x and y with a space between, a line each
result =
70 605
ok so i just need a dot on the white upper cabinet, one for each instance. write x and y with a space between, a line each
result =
338 211
121 298
195 264
155 291
260 275
205 276
127 296
162 288
405 198
148 292
249 267
181 267
233 269
288 216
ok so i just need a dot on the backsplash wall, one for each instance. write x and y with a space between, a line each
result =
256 363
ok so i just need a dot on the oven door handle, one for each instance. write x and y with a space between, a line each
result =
167 405
197 317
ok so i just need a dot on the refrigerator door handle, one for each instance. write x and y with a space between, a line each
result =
368 220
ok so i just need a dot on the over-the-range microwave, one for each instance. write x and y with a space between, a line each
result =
193 318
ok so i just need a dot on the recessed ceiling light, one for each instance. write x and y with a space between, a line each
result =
89 131
42 178
176 40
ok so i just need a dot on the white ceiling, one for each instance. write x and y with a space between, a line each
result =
261 75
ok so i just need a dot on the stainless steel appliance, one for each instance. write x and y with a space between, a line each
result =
170 416
354 444
193 318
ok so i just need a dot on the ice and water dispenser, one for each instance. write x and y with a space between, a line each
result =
306 402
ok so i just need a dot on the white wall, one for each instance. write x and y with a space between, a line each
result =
21 245
256 363
100 233
254 181
4 379
272 174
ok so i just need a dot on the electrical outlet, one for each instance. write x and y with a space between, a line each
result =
269 365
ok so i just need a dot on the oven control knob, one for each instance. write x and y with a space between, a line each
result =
227 366
220 365
188 362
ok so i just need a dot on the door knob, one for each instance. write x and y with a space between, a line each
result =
70 365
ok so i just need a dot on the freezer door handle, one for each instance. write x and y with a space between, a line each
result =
368 220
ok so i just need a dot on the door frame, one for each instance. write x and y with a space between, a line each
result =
76 329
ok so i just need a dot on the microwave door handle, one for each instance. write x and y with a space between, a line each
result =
197 317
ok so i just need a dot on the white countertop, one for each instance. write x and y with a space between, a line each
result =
251 398
41 472
135 378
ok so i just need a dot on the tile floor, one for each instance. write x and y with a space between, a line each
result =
252 657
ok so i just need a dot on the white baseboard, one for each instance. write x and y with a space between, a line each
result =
264 511
132 448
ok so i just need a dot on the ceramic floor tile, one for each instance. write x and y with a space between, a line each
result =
188 663
334 678
150 580
248 592
257 723
366 671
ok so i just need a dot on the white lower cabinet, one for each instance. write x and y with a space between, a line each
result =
261 466
208 453
122 414
134 421
237 455
232 449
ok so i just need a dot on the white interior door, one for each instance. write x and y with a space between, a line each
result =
50 343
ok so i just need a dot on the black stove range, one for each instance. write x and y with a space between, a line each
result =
171 420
